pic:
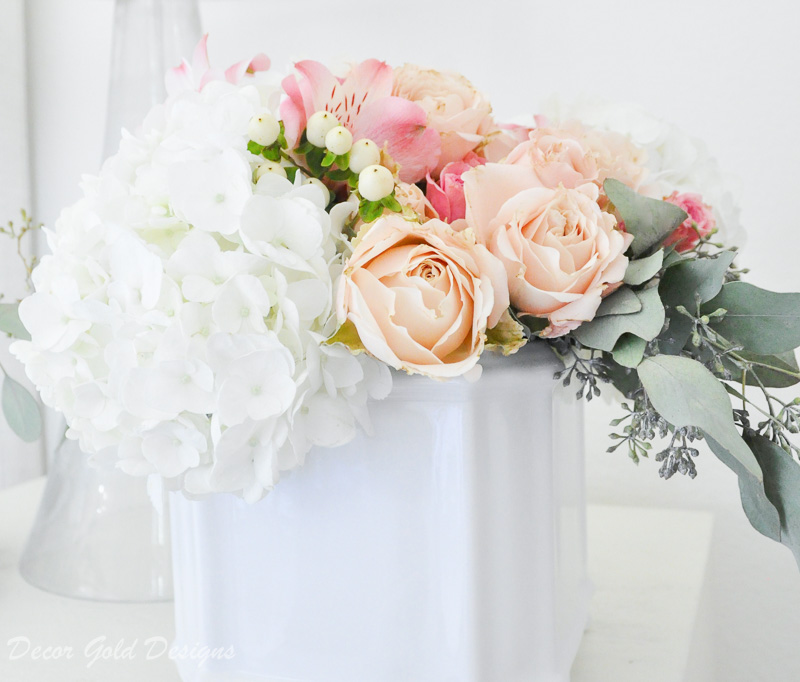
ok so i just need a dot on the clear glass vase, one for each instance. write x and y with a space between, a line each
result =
100 534
150 36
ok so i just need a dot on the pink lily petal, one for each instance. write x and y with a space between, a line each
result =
236 72
401 126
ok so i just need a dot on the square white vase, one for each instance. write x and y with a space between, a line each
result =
449 546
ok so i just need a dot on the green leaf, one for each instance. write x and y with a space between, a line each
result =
348 336
340 175
624 379
622 302
291 173
507 336
328 159
674 338
629 350
370 210
689 280
782 487
392 204
760 321
533 324
650 221
254 148
10 322
314 161
603 333
773 375
21 410
271 153
305 148
759 510
343 161
644 269
686 394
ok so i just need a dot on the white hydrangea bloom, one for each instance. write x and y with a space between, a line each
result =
675 161
180 319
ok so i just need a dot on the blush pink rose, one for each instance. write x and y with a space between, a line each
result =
363 103
447 195
556 157
561 252
500 139
700 222
422 296
454 108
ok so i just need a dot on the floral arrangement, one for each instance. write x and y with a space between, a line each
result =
236 283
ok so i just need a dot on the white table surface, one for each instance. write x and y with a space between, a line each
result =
648 567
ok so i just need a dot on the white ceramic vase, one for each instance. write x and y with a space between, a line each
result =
450 546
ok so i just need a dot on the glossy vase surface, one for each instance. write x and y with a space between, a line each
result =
448 546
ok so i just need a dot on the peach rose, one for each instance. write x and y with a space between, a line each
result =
561 252
421 296
556 157
454 108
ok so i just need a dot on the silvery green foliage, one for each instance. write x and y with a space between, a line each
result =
179 320
714 337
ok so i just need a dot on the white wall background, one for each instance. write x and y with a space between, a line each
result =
18 460
726 72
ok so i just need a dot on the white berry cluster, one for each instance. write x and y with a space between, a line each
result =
181 317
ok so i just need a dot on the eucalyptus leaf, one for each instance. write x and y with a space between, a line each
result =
21 410
10 322
624 379
761 513
650 221
773 371
760 321
622 302
629 350
644 269
782 486
773 505
602 333
673 339
699 279
686 394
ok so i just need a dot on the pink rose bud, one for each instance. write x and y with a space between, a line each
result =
447 196
700 222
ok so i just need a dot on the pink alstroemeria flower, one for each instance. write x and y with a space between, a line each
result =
363 103
447 195
196 75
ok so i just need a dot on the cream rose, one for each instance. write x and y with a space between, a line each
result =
414 198
454 108
555 157
614 154
561 252
421 296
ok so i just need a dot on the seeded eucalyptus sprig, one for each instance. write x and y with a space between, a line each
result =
682 338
